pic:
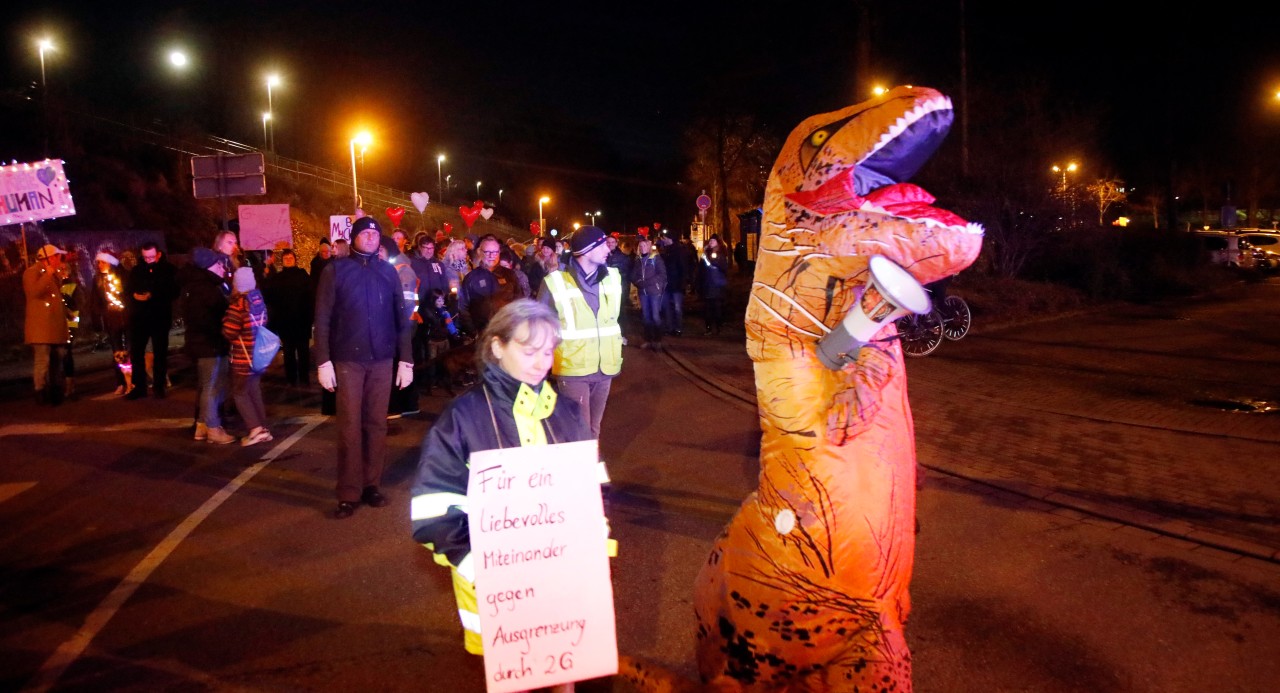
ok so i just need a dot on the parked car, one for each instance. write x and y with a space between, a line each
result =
1224 248
1263 247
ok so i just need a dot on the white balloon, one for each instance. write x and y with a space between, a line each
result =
420 200
486 213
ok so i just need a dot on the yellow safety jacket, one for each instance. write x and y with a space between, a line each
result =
591 342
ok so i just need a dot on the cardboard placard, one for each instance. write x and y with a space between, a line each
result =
263 227
340 227
542 570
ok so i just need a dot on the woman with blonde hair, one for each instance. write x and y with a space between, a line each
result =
456 267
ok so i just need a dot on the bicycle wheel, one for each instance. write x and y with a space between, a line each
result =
959 318
921 334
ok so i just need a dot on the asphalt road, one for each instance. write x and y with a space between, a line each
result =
1080 532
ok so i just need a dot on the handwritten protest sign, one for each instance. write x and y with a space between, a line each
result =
263 227
340 227
542 573
34 191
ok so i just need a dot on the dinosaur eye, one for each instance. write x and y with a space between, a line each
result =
817 138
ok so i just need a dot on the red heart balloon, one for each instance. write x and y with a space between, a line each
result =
644 231
447 227
478 204
395 214
469 214
534 228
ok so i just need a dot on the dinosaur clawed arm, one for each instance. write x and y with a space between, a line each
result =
854 407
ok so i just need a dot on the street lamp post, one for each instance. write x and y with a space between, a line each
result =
265 117
1065 192
593 216
477 189
439 177
273 80
499 195
363 139
541 201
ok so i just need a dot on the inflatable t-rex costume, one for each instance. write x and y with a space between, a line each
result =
806 589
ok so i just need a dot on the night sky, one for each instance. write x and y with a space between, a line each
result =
587 103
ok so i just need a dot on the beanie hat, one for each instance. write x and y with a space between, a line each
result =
107 257
244 281
204 257
324 241
365 223
389 246
587 238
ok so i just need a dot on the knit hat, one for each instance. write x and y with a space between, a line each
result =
205 257
324 241
365 223
587 238
244 281
49 250
107 257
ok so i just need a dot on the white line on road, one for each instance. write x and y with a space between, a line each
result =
69 651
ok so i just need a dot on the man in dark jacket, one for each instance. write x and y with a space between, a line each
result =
431 277
290 306
486 288
679 260
150 290
205 290
361 326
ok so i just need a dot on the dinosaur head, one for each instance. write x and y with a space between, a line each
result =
843 176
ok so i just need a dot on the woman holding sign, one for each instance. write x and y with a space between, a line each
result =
513 405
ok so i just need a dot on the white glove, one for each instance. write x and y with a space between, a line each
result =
404 375
326 377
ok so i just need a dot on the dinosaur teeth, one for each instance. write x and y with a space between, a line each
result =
906 120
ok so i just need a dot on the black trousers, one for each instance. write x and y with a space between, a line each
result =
297 357
157 331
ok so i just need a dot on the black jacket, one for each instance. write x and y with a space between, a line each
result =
465 426
360 315
289 302
161 280
204 303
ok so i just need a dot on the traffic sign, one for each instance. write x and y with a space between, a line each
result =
704 202
228 175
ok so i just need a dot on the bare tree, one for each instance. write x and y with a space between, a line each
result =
730 158
1104 193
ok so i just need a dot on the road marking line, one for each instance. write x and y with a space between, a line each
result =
69 651
44 429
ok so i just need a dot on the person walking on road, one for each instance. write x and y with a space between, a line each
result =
587 296
290 306
205 293
513 406
361 331
649 274
45 327
247 310
150 290
714 269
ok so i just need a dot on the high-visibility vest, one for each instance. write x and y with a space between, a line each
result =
591 342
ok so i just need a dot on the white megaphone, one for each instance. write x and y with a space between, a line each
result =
890 293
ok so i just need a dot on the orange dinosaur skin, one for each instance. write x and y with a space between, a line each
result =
807 587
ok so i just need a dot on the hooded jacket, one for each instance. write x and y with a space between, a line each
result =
204 303
360 314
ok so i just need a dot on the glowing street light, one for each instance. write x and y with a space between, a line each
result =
363 139
44 44
593 216
439 178
477 189
273 80
499 195
541 201
178 59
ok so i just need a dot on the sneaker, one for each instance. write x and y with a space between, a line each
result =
257 435
202 431
219 436
119 390
373 498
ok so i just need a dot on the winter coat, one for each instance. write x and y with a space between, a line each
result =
158 278
679 264
360 314
204 303
46 319
245 312
438 509
649 274
290 303
713 273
